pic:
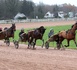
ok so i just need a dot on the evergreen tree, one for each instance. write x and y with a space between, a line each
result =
40 12
27 8
11 8
55 11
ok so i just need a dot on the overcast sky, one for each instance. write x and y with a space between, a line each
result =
52 2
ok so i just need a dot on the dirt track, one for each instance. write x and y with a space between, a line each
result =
39 59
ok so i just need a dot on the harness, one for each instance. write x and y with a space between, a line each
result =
70 32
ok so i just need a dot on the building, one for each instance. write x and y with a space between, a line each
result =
71 14
61 14
48 15
20 16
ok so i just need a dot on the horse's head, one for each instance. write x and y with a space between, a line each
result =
5 28
42 29
13 27
75 26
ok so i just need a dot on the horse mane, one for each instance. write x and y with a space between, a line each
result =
42 29
74 24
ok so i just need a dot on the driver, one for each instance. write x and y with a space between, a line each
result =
51 33
21 32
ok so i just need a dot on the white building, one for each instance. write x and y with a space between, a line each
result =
19 15
75 14
48 15
71 14
61 14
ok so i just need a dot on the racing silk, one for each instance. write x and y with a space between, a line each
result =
50 33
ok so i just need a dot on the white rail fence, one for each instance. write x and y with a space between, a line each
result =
35 20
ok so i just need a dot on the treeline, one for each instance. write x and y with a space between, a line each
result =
9 8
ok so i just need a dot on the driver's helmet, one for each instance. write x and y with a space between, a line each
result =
51 30
22 30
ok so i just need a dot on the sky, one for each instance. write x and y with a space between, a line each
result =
52 2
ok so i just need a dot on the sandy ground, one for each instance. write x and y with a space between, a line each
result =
39 59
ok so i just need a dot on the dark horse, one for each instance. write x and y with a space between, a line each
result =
7 33
36 34
68 35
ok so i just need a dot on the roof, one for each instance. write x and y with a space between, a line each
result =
19 15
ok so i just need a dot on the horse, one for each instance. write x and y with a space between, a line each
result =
68 35
7 33
36 34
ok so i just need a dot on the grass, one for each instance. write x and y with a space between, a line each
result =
45 37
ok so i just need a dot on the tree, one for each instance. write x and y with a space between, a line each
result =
2 9
11 8
40 12
27 7
55 11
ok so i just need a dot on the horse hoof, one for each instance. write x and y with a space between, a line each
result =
58 48
42 46
4 41
34 48
55 48
62 48
65 45
27 47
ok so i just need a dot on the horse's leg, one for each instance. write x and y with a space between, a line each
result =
7 41
13 37
16 43
67 43
43 43
28 43
63 48
59 42
58 46
75 42
47 43
30 40
34 43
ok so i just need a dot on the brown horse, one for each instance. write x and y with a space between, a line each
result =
68 35
7 33
59 37
35 35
